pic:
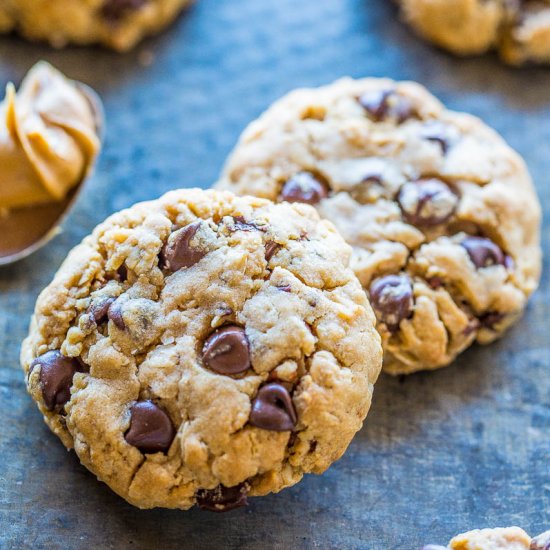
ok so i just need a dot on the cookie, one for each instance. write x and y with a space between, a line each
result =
500 538
117 24
203 348
440 212
518 29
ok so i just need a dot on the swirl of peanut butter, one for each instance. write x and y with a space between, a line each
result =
48 139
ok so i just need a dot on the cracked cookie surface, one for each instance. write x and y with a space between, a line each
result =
117 24
518 29
440 212
203 347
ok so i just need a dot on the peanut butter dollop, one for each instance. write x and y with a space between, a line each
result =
48 139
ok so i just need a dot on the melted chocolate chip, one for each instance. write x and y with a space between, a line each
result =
438 132
115 10
223 499
285 288
491 319
178 252
305 187
435 282
483 252
151 429
272 409
386 104
122 273
392 299
56 377
427 202
226 351
99 309
271 248
114 313
240 224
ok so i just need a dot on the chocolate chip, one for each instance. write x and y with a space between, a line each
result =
272 409
271 248
223 499
491 319
392 299
435 282
285 288
438 132
427 202
483 252
122 273
386 104
115 10
56 377
114 313
99 309
240 224
151 429
305 187
178 251
226 351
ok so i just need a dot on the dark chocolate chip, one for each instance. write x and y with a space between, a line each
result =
285 288
435 282
178 251
223 499
427 202
99 309
115 10
226 351
122 273
386 104
56 377
114 313
305 187
438 132
271 248
483 252
392 299
491 319
151 429
240 224
272 409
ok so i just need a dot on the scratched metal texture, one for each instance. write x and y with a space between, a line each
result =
442 452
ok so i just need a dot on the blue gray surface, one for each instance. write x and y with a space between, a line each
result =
465 447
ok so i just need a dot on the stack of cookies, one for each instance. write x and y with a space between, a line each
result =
214 345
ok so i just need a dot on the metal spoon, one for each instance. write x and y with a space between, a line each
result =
26 230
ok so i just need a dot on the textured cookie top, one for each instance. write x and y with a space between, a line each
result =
117 24
440 212
518 29
203 347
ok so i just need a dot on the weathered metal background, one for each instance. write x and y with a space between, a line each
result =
465 447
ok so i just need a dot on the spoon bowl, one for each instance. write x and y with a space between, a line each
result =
26 230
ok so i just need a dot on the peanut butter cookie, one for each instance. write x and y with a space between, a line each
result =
440 212
202 348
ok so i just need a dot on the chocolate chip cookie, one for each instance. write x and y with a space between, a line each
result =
117 24
507 538
203 348
518 29
440 212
